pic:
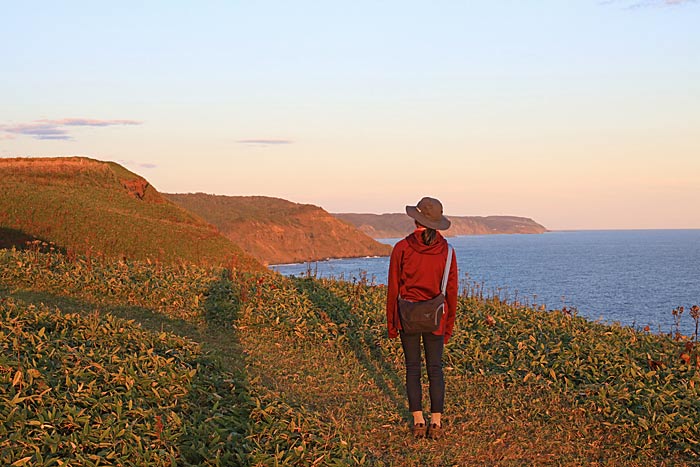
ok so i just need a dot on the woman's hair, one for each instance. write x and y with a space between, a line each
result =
428 235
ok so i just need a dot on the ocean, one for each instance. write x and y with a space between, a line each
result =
633 277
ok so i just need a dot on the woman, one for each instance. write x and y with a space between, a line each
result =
415 273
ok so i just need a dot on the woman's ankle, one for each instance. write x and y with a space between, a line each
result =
418 418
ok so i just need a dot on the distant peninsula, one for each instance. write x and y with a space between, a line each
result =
277 231
398 225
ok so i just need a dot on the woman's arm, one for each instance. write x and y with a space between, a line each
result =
451 298
392 294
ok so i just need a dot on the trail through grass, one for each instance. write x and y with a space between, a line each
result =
300 372
352 375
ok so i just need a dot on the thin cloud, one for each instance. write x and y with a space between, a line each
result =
141 165
91 122
56 129
265 141
53 137
634 4
37 130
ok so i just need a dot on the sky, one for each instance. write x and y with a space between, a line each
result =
581 114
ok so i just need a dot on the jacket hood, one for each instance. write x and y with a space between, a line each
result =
438 247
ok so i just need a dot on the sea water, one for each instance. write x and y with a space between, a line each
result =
634 277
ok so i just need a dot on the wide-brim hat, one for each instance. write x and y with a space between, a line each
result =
428 212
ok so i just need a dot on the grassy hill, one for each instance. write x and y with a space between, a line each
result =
99 208
279 231
400 225
216 367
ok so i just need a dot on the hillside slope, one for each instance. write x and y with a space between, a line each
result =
100 208
278 231
400 225
297 371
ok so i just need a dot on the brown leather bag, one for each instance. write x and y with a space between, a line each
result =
425 315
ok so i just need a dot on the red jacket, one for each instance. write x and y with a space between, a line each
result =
415 272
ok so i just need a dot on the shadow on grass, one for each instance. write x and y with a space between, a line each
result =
362 342
20 240
216 411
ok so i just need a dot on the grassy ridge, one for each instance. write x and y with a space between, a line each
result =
279 231
319 384
100 208
226 211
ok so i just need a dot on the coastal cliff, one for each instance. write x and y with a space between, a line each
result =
399 225
277 231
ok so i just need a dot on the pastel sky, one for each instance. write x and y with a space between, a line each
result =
581 114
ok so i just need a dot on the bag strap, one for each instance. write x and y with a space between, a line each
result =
448 263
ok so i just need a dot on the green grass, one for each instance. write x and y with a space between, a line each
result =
226 419
96 390
300 372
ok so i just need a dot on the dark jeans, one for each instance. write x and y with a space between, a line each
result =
433 346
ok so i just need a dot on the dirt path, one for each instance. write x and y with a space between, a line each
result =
355 382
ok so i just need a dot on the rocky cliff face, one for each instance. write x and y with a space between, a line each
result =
278 231
400 225
136 187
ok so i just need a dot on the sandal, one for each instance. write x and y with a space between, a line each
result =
419 430
435 431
